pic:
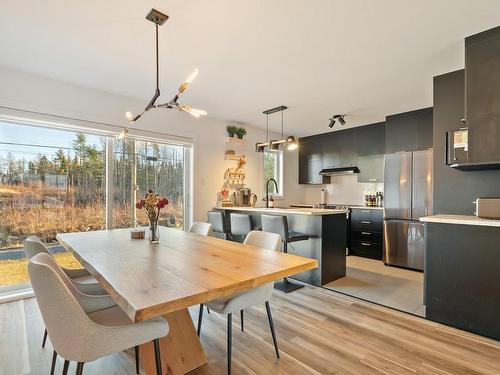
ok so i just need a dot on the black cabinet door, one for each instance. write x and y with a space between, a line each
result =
482 75
370 139
310 160
409 131
371 168
339 149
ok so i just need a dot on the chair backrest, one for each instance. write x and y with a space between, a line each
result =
216 218
275 224
200 228
33 246
63 316
266 240
241 224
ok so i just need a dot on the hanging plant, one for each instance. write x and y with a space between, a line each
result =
241 132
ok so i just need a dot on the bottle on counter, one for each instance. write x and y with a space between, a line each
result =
271 202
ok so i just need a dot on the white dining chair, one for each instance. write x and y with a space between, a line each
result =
200 228
84 328
82 279
238 302
79 276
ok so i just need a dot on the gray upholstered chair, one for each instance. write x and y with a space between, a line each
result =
217 219
82 327
279 224
200 228
241 224
238 302
82 279
79 276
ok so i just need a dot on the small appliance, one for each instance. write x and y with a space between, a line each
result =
487 207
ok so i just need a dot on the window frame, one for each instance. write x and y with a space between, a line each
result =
278 172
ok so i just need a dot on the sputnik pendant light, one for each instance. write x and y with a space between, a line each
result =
159 19
289 143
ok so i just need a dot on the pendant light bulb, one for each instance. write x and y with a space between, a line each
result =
192 76
122 134
291 143
129 116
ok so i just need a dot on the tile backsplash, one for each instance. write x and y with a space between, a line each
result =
344 190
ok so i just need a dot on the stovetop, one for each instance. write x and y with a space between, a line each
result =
331 206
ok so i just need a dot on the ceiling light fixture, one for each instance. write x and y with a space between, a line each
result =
336 117
289 143
159 18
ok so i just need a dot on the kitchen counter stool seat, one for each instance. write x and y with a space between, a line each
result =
241 224
218 221
279 224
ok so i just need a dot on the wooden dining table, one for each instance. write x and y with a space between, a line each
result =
183 269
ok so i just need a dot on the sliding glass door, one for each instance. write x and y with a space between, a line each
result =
53 180
139 166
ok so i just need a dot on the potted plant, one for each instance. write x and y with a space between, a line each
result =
231 130
241 132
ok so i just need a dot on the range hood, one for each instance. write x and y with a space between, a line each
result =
337 171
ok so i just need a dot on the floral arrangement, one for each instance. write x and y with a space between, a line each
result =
152 203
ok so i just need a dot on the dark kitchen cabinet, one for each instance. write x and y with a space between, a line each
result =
409 131
339 149
482 104
370 139
371 168
367 232
310 160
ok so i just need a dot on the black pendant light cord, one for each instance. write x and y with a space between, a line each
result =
157 63
281 124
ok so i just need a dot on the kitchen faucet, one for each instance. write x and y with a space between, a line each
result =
267 190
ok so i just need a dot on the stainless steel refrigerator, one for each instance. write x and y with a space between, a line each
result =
407 197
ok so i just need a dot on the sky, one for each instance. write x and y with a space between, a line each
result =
15 133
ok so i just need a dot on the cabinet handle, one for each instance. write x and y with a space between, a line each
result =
373 179
365 222
366 211
365 233
365 244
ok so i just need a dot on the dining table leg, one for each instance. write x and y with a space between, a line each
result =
181 350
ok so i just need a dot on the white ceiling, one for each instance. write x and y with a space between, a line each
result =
364 58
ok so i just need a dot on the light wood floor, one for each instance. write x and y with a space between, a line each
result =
319 332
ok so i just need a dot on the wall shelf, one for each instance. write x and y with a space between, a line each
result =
233 157
236 141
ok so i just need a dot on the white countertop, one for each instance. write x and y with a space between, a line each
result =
460 219
355 207
366 207
289 211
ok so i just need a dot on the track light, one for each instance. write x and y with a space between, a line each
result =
336 117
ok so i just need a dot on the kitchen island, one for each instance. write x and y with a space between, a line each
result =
327 231
462 282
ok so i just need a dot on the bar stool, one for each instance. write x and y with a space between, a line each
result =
216 218
279 224
241 224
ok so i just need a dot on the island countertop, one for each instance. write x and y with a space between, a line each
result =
286 211
460 219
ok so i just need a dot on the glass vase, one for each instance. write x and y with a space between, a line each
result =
154 231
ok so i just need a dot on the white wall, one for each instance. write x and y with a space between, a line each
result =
35 93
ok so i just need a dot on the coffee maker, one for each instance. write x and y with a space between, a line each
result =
244 197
